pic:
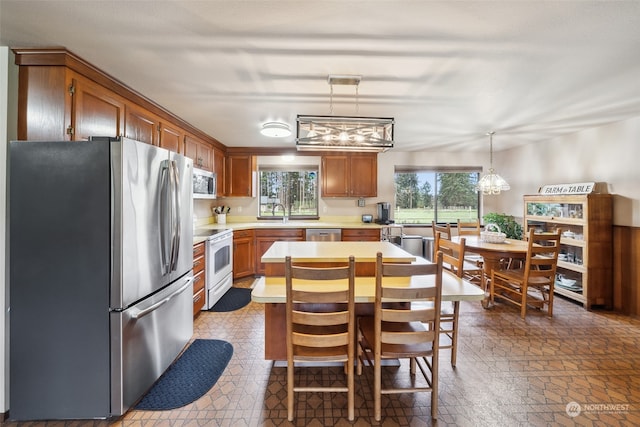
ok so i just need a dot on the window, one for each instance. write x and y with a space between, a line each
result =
294 191
442 195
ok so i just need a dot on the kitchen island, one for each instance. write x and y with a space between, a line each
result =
270 290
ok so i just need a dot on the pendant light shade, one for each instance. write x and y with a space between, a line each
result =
492 183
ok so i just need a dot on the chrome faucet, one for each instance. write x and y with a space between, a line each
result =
284 212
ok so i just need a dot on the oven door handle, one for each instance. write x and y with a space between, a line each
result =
138 314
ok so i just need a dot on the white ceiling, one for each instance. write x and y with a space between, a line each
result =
448 71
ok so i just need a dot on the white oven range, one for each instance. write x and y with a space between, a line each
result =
219 266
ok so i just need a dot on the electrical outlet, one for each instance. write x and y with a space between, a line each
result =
361 203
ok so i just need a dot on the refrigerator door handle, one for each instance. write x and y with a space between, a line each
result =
176 216
165 212
138 314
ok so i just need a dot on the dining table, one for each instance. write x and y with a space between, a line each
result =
270 289
493 254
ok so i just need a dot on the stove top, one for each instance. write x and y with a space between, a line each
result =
199 232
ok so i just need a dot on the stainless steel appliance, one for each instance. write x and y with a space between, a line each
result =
219 266
384 213
324 234
204 184
101 298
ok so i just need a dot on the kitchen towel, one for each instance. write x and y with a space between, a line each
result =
233 299
189 377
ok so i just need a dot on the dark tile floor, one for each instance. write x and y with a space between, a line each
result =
578 368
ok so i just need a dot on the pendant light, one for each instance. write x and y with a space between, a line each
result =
492 183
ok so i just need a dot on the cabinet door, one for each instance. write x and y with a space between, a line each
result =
218 168
96 111
141 125
171 137
199 151
335 176
239 175
243 256
363 177
360 235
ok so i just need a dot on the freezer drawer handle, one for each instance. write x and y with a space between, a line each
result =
141 313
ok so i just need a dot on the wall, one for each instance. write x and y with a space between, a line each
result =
606 154
8 121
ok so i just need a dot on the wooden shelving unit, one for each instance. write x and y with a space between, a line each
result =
586 244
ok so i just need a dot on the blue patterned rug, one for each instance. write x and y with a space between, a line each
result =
233 299
190 377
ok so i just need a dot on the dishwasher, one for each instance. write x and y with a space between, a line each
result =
324 234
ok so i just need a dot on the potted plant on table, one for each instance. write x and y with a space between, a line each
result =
507 223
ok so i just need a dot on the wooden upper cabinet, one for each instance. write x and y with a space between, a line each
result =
171 137
218 168
335 176
350 175
141 125
199 151
96 111
239 171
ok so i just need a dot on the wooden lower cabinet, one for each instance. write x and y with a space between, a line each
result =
199 263
265 238
360 234
243 254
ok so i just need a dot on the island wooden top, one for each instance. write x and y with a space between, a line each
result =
272 289
335 252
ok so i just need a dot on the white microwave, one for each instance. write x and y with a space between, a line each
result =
204 184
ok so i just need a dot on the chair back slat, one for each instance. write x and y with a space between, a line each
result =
320 340
469 227
452 254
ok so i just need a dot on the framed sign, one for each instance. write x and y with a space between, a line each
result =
577 188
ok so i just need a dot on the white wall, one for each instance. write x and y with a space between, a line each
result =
609 154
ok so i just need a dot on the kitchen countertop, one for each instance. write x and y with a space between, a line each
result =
266 224
335 252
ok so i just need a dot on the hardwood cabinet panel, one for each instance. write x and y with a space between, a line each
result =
360 235
350 175
44 103
141 125
171 137
363 175
199 276
335 176
243 254
239 175
96 111
199 151
218 168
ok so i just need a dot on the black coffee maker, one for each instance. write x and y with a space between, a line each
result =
384 213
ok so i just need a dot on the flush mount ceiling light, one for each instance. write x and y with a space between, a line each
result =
344 133
492 183
275 129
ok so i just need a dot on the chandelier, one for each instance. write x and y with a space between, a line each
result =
492 183
340 133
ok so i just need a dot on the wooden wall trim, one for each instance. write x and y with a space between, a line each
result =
59 56
626 270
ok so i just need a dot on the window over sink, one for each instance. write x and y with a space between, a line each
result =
290 191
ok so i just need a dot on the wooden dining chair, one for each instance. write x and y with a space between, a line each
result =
474 263
320 323
407 332
519 286
453 260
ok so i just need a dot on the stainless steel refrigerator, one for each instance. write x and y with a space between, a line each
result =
100 258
